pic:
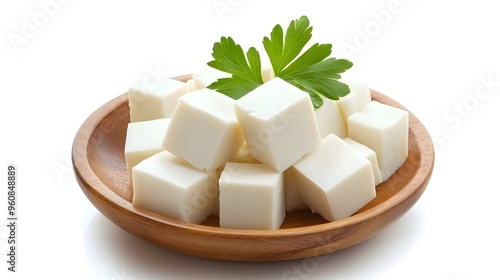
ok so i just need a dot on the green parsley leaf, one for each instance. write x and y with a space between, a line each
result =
246 75
311 71
282 53
321 79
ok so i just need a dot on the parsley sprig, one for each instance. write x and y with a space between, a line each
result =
312 70
246 75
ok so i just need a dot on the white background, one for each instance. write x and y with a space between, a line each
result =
430 56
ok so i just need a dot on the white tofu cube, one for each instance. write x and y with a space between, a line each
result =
251 197
267 71
143 140
204 130
368 154
206 76
334 180
266 66
330 120
278 122
167 185
384 129
293 198
191 85
244 155
154 100
354 101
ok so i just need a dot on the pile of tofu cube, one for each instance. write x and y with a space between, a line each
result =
192 152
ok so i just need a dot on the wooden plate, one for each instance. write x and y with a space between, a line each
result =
99 166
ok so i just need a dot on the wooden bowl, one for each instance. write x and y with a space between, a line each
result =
99 165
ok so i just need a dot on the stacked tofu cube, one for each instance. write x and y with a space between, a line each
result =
252 160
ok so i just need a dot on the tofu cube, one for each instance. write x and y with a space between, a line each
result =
334 180
155 99
251 197
244 155
167 185
267 74
384 129
278 122
206 76
143 140
354 101
267 70
204 130
329 119
368 154
293 198
191 85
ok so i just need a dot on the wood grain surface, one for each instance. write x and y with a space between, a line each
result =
99 166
